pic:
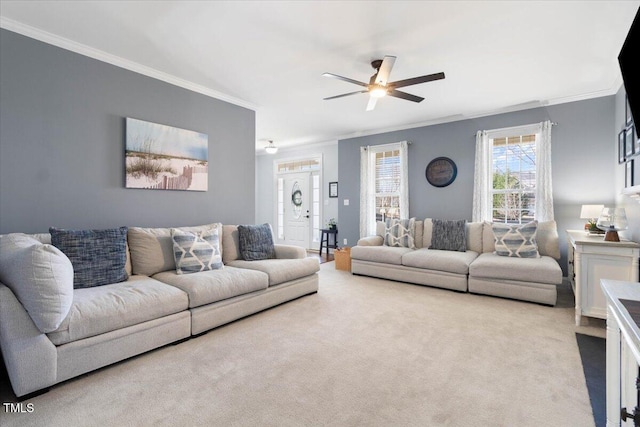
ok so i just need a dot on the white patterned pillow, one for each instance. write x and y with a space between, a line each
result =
196 252
400 233
517 240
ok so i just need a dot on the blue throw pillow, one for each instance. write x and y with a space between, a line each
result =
98 257
400 233
256 242
195 252
516 240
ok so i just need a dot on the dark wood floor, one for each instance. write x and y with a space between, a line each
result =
324 258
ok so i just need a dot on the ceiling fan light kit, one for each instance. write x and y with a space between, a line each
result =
379 87
378 91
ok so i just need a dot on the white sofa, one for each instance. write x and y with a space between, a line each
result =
155 306
477 270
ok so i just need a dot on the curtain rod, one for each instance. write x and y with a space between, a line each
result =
380 145
513 127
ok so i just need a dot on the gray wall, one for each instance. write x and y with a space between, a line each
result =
62 128
582 155
265 186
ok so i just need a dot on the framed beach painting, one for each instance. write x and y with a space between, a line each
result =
160 157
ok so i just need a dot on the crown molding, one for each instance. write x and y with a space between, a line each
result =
79 48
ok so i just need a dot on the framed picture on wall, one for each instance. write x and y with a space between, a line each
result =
629 141
333 189
627 112
622 152
628 176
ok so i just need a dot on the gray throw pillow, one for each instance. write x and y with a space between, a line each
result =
449 235
516 240
98 256
256 242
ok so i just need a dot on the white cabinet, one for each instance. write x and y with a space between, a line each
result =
623 351
592 259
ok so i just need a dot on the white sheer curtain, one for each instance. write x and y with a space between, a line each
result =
367 208
367 184
404 180
482 181
544 193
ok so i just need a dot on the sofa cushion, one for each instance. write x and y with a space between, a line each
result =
547 239
380 232
40 276
474 236
371 241
400 233
152 248
230 244
210 286
516 240
98 256
384 254
195 252
440 260
449 235
281 270
107 308
538 270
256 242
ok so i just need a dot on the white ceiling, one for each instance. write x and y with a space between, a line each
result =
269 55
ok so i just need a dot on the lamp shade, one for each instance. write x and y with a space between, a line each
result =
591 211
612 220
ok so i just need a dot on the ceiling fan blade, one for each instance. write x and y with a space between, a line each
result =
345 79
417 80
372 103
404 95
385 69
345 94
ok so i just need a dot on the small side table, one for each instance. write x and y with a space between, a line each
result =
326 238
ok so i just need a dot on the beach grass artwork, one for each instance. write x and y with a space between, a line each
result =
161 157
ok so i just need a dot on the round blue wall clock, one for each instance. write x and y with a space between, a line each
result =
441 171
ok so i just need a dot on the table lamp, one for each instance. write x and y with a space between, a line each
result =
612 220
591 213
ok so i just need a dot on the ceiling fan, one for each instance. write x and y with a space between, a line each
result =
378 85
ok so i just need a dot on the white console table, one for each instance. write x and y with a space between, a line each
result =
623 351
592 259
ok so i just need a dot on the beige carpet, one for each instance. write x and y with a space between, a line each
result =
361 352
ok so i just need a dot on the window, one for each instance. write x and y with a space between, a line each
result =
512 182
387 184
384 185
514 179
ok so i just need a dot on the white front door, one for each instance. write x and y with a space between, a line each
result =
297 195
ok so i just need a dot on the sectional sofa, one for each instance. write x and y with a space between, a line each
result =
51 331
477 268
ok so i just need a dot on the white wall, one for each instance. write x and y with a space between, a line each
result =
265 185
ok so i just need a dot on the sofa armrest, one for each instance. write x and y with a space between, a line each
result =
371 241
290 252
30 357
